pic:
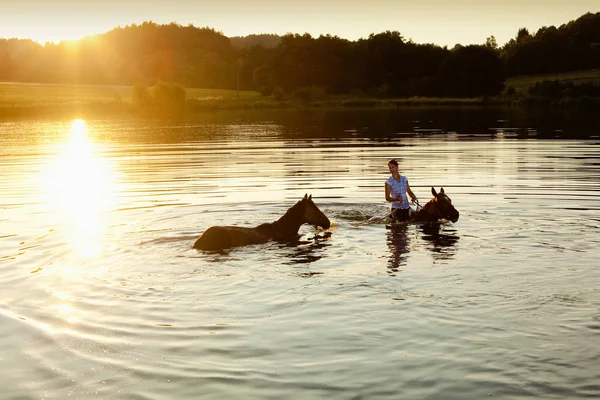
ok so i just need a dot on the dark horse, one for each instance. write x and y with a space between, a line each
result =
439 207
285 228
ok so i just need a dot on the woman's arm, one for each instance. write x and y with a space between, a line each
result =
410 192
388 194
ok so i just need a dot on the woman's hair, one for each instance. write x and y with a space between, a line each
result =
393 162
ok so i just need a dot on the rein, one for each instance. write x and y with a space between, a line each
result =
419 206
390 213
433 210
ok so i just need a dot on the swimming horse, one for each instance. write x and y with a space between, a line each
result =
439 207
285 228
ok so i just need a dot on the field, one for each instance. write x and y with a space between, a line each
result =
522 83
46 94
46 98
43 98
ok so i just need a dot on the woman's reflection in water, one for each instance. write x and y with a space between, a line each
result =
443 239
397 241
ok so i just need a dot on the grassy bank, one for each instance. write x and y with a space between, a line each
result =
521 84
35 99
47 94
24 99
31 99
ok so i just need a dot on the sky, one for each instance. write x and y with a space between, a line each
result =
443 22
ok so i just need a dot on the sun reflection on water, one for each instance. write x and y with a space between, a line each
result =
80 187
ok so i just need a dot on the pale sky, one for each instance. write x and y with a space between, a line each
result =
443 22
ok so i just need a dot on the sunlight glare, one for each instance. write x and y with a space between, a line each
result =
80 187
68 311
78 130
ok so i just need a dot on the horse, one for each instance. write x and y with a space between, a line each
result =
439 207
305 211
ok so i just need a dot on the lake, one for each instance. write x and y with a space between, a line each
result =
104 297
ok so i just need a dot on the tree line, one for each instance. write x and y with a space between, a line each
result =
383 65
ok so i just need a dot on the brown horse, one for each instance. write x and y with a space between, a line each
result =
285 228
440 207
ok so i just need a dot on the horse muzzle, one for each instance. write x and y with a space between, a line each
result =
454 218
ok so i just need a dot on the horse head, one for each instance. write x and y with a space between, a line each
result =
312 214
443 206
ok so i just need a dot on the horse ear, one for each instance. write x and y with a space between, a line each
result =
310 197
441 190
305 196
433 191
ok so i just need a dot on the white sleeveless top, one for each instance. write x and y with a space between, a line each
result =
398 189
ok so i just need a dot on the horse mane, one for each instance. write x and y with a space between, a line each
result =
429 205
427 212
290 213
278 228
294 208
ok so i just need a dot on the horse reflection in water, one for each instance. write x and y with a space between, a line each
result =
439 208
284 229
443 242
306 251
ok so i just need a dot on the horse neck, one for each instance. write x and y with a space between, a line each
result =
429 212
290 222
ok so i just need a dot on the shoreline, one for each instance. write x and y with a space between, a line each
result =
195 106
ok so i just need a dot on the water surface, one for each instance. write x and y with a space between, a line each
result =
103 296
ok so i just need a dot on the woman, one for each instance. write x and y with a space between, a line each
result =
396 188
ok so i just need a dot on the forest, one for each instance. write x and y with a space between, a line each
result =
382 65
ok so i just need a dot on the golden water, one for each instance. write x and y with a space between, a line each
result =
103 296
